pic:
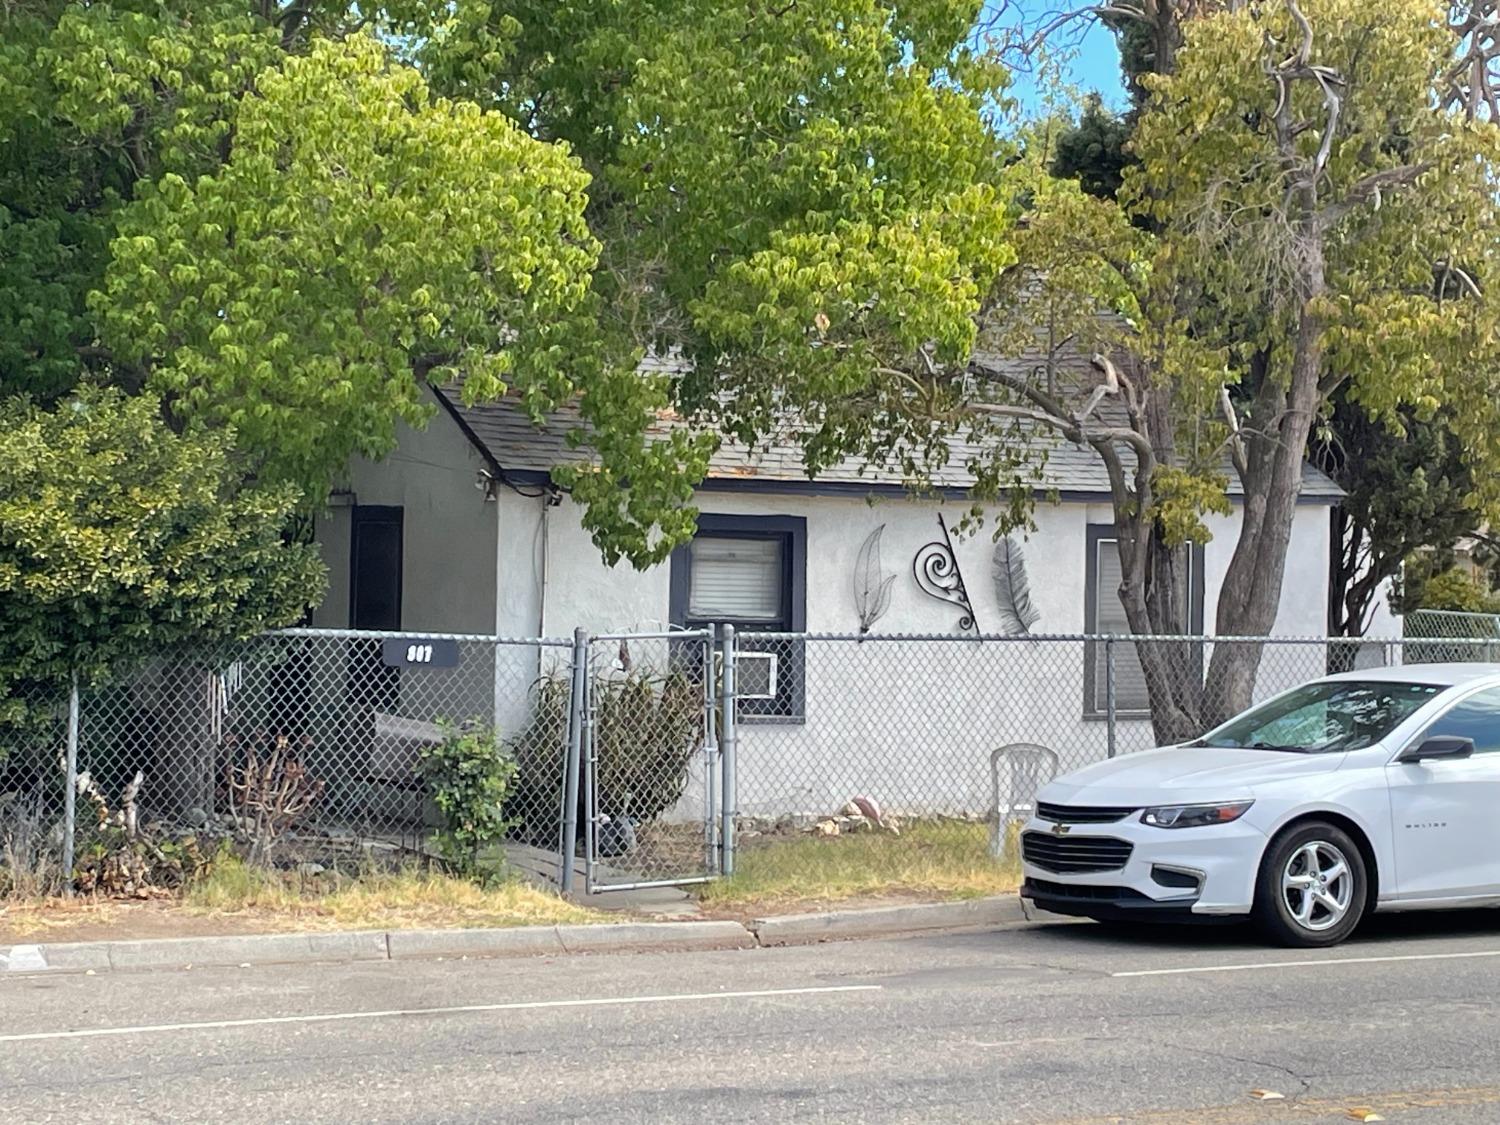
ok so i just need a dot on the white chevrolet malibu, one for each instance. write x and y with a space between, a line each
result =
1373 790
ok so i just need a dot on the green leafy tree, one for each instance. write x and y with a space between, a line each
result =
1407 483
120 539
258 214
1408 489
1450 588
1094 152
799 200
1309 219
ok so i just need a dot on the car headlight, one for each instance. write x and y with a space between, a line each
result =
1194 816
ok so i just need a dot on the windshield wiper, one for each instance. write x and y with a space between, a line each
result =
1283 749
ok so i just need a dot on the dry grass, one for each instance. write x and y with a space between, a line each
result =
236 898
51 919
935 859
384 900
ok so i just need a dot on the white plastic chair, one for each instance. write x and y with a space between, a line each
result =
1030 766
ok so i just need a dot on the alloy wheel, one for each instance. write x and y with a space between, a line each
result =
1317 886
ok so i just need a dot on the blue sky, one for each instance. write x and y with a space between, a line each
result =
1094 63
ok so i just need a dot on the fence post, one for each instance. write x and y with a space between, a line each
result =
728 739
577 717
1109 693
712 849
70 796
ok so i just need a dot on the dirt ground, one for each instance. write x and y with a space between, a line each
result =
86 920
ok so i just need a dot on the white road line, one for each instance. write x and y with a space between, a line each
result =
1305 964
521 1006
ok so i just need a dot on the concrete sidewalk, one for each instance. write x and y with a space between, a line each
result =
525 941
541 868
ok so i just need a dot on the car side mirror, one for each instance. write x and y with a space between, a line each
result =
1438 749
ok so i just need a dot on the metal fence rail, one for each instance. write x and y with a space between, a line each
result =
646 758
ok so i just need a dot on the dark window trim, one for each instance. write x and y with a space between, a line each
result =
792 530
377 513
1097 534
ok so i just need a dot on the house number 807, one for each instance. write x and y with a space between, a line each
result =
419 654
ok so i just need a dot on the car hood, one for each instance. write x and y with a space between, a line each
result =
1183 773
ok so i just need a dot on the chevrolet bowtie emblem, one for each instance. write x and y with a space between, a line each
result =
1060 830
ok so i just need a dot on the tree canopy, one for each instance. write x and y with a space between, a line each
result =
265 218
283 219
1311 215
794 200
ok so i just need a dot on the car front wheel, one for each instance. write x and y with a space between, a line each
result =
1312 886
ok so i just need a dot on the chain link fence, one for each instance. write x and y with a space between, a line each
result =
298 749
928 736
301 748
1437 634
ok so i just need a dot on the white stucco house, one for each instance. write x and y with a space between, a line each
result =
461 531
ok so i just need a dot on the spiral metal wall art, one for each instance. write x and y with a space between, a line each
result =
936 571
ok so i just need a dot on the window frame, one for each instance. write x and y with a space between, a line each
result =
789 706
1097 535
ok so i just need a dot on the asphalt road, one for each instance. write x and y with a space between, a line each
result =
1044 1024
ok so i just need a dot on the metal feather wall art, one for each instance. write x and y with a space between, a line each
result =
872 589
1012 590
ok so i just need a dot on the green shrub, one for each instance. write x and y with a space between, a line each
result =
1456 589
646 733
647 729
469 776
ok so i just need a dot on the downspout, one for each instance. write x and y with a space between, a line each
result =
548 500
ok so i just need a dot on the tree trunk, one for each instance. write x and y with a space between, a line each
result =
184 765
1173 669
1272 481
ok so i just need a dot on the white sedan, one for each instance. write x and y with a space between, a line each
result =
1372 790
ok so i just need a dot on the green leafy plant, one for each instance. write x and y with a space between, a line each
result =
122 539
647 728
469 775
1452 589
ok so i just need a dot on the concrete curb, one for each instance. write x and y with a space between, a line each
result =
887 921
521 941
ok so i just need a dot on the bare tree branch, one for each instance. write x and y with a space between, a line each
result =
1371 187
1050 411
1473 81
1236 438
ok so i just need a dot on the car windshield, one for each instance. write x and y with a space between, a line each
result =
1319 718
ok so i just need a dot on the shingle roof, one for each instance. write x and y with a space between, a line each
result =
507 435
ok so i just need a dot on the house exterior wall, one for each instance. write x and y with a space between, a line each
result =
449 541
867 703
580 590
523 566
449 553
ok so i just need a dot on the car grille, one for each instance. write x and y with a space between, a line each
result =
1084 891
1082 814
1074 854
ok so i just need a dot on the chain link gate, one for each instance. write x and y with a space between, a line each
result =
652 768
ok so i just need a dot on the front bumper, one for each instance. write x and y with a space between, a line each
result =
1199 873
1111 903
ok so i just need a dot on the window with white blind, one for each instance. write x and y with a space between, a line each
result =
750 572
736 579
1105 614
